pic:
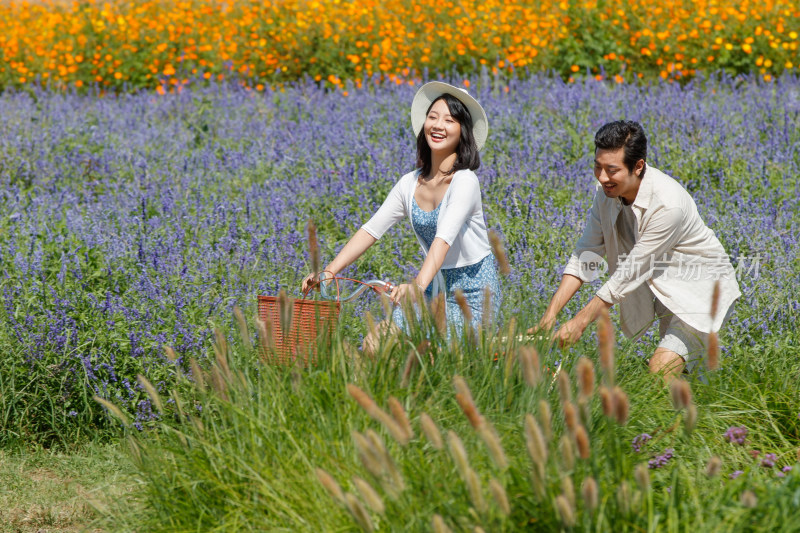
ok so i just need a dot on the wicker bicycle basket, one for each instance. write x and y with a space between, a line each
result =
298 342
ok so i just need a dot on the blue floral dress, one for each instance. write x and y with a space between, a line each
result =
471 279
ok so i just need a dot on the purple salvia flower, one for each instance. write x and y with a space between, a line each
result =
661 460
769 460
639 441
736 474
736 435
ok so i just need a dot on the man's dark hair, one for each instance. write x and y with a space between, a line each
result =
627 134
467 151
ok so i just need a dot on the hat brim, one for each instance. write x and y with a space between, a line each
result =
433 90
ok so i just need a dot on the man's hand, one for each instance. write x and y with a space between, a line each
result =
569 334
545 325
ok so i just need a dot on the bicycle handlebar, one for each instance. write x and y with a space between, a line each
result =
376 285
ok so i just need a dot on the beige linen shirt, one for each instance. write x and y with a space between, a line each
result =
675 257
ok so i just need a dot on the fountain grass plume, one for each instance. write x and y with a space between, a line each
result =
529 363
566 452
113 409
369 456
151 392
500 496
568 489
713 339
487 310
590 493
169 352
462 388
412 362
607 401
461 300
330 485
438 525
621 406
681 394
545 420
379 415
570 417
536 445
218 382
690 420
285 312
749 499
475 490
642 475
431 431
358 512
221 353
582 442
370 495
565 510
713 351
244 331
564 387
624 497
489 436
438 312
469 410
395 483
585 378
713 467
401 418
458 452
499 253
266 337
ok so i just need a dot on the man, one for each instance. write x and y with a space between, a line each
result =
662 259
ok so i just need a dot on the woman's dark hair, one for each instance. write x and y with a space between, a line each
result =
467 150
627 134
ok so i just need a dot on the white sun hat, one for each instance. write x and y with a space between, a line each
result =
433 90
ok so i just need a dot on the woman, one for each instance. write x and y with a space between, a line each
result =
442 199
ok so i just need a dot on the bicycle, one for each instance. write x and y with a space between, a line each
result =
305 324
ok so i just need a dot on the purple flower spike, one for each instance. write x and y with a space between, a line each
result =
661 460
736 435
769 460
639 441
736 474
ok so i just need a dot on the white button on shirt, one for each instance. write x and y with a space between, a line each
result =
675 257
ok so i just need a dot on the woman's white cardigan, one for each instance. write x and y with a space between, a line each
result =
460 224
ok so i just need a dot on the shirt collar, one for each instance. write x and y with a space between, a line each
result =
642 199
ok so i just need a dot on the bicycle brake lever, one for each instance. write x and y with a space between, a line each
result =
381 286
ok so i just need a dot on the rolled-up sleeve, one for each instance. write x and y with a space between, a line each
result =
461 204
656 241
390 212
591 241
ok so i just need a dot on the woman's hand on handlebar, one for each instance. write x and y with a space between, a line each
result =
310 282
403 291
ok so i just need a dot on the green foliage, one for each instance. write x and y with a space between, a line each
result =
272 443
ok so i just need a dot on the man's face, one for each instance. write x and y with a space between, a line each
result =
614 176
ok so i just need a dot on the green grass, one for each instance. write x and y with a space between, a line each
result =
249 461
51 491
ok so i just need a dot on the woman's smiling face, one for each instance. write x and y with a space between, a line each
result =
442 131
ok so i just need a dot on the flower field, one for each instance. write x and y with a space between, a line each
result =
136 222
163 45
